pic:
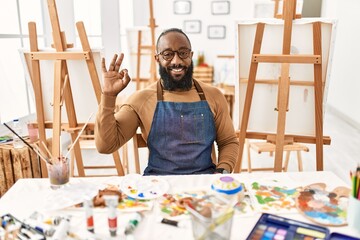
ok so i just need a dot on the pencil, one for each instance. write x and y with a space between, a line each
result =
357 187
353 185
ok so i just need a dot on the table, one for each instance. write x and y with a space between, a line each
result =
28 195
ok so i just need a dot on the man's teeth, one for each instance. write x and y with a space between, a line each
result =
177 69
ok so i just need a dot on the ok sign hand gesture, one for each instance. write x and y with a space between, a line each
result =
115 80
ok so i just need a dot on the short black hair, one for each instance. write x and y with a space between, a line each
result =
171 30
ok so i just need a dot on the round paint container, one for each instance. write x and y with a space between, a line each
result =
228 187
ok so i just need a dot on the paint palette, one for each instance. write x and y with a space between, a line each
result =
143 187
271 226
323 207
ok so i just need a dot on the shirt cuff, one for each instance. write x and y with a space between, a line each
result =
225 166
108 101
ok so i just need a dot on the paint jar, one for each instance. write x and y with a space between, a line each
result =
59 172
229 188
33 132
353 213
211 219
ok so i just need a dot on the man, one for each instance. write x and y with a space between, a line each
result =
180 118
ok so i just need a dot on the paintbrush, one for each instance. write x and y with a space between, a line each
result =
31 147
77 138
47 150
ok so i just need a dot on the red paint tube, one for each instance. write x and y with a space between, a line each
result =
111 202
89 205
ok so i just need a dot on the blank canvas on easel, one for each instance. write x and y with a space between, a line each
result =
300 117
82 90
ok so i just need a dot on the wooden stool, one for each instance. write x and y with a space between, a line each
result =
260 147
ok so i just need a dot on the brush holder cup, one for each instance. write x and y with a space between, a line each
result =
59 172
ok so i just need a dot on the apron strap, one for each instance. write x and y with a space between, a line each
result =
160 94
199 90
159 91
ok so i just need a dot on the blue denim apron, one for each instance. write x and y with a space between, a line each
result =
181 137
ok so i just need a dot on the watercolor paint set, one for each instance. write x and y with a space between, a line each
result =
271 226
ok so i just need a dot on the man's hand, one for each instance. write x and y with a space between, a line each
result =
114 80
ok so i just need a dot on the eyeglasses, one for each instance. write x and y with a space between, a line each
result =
168 55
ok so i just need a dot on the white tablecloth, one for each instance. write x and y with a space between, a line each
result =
29 195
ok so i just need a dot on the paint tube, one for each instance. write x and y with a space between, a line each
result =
112 202
134 221
53 220
89 205
62 230
45 229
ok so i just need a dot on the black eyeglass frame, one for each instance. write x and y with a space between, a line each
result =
188 50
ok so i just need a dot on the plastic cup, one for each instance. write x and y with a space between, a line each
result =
59 172
216 227
353 213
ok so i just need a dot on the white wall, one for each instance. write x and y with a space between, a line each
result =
344 88
200 10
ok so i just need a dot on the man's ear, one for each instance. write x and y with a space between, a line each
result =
157 58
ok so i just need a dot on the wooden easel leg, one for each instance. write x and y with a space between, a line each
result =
136 154
36 81
89 62
248 155
57 108
287 159
118 164
284 85
299 159
318 98
138 61
249 93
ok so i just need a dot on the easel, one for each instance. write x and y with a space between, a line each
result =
283 90
62 88
276 10
152 49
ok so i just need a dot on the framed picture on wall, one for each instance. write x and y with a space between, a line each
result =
192 26
216 32
220 7
182 7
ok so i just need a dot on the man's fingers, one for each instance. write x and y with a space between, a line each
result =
103 66
126 76
112 64
119 62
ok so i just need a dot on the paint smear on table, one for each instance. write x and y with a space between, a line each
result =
274 198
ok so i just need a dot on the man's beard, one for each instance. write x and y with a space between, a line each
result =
170 84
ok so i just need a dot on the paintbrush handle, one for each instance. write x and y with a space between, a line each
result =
77 138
